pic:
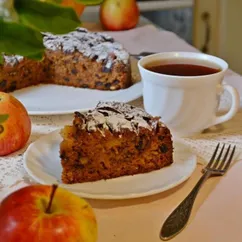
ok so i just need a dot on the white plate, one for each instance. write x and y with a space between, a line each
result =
42 162
48 99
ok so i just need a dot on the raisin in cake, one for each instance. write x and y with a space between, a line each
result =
79 59
113 140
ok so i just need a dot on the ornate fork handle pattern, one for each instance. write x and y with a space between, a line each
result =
179 217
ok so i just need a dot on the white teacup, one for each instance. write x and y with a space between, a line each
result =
186 104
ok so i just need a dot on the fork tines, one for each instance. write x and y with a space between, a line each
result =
219 164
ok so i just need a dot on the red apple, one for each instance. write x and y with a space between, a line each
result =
119 14
42 213
15 124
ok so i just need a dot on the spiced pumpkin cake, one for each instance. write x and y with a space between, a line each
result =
79 59
113 140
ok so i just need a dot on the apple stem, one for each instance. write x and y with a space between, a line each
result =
54 187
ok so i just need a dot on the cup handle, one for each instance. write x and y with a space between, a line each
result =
234 106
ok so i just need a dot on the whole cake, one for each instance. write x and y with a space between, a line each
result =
113 140
79 59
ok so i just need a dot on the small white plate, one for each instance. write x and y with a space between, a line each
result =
42 162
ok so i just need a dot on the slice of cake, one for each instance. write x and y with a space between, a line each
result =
79 59
113 140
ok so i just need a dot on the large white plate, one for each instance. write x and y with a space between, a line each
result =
48 99
42 162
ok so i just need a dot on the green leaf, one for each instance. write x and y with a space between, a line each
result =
1 59
18 39
46 17
89 2
36 56
55 1
3 118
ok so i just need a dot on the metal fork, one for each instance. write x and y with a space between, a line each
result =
178 219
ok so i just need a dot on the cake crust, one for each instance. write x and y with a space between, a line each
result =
113 140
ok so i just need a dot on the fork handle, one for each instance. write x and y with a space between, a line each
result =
179 217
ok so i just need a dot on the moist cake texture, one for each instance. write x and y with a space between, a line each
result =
113 140
79 59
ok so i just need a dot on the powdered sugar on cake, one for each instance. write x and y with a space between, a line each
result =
116 116
98 46
94 45
12 59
